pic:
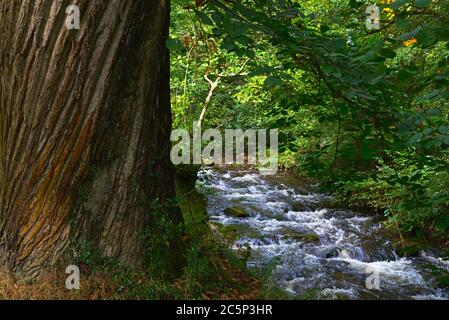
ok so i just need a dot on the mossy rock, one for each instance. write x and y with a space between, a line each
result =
237 212
301 237
231 233
300 207
307 238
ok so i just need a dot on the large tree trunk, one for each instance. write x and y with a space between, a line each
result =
84 128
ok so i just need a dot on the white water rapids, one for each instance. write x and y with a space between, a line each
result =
322 253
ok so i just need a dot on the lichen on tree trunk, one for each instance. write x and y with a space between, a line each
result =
84 129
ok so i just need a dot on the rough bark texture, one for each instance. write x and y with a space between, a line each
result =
84 127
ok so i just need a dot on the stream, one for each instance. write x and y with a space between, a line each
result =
315 250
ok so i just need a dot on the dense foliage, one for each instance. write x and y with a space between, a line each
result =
365 111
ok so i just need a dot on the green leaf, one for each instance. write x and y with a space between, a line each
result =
443 33
427 131
409 35
446 140
422 3
426 37
443 222
443 129
416 138
397 4
402 22
204 18
324 28
172 44
387 53
273 81
404 75
442 76
336 44
228 45
228 25
296 20
415 177
240 29
355 4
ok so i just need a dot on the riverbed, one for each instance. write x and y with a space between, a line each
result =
316 251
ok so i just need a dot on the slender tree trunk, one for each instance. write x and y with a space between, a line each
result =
84 128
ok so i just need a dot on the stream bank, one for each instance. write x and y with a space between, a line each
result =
318 251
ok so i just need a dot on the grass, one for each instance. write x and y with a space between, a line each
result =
206 276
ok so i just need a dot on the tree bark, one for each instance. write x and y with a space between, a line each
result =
84 129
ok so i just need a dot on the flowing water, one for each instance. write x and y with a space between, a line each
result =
318 252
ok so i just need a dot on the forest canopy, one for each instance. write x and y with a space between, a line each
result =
365 110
